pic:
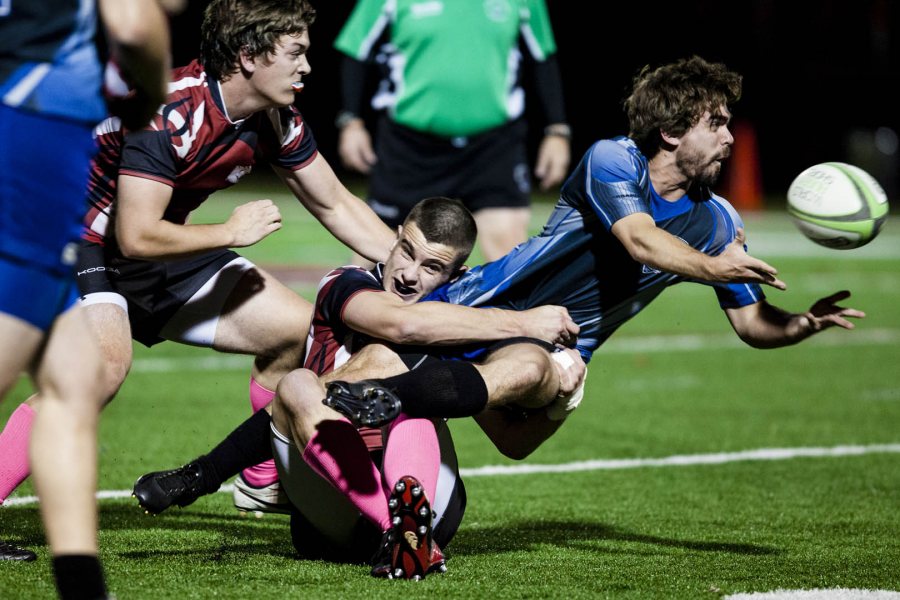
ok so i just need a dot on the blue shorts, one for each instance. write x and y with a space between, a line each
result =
45 162
33 294
43 189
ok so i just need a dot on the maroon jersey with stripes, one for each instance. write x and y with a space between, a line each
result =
331 342
194 147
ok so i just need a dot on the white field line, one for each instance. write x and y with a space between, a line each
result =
683 460
617 345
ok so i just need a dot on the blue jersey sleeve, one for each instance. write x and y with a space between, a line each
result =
736 295
618 181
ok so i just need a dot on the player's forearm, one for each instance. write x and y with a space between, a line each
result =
358 227
347 217
548 89
166 241
139 35
448 324
766 326
658 249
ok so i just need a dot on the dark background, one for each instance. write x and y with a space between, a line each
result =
819 77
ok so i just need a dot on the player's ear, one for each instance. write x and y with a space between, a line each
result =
397 239
669 139
247 60
458 273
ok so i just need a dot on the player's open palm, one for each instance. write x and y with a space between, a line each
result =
826 313
551 324
251 222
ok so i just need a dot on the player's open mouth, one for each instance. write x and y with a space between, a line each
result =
403 290
297 86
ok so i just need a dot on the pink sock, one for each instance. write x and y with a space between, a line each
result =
338 454
412 449
264 473
14 450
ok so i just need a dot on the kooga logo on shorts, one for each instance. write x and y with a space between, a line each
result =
97 270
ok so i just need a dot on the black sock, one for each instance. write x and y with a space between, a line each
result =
248 445
79 577
448 388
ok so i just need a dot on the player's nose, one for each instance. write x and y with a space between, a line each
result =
304 68
410 274
727 139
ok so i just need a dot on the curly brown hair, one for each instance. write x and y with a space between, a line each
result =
254 26
673 97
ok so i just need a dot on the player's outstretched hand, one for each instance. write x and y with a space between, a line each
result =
826 313
251 222
355 147
549 323
734 265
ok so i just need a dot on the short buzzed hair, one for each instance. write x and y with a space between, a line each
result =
673 98
445 221
254 26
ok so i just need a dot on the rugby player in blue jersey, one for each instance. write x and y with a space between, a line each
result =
635 217
50 99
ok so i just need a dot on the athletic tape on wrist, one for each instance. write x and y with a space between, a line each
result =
562 406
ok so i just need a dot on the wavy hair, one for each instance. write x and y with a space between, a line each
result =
254 26
673 98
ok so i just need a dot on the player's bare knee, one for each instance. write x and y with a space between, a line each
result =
297 393
535 376
112 375
79 397
377 356
279 361
533 384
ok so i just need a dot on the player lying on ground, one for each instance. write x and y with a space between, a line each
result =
635 217
145 273
51 78
354 306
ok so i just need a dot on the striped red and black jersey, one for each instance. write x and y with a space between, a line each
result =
331 341
194 147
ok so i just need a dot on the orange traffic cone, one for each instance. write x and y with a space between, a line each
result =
743 181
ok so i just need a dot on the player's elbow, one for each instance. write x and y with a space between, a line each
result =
640 250
762 343
134 245
130 248
753 342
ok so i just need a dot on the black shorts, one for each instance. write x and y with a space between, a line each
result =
488 170
154 290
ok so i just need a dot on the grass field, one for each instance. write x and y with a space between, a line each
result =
604 521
